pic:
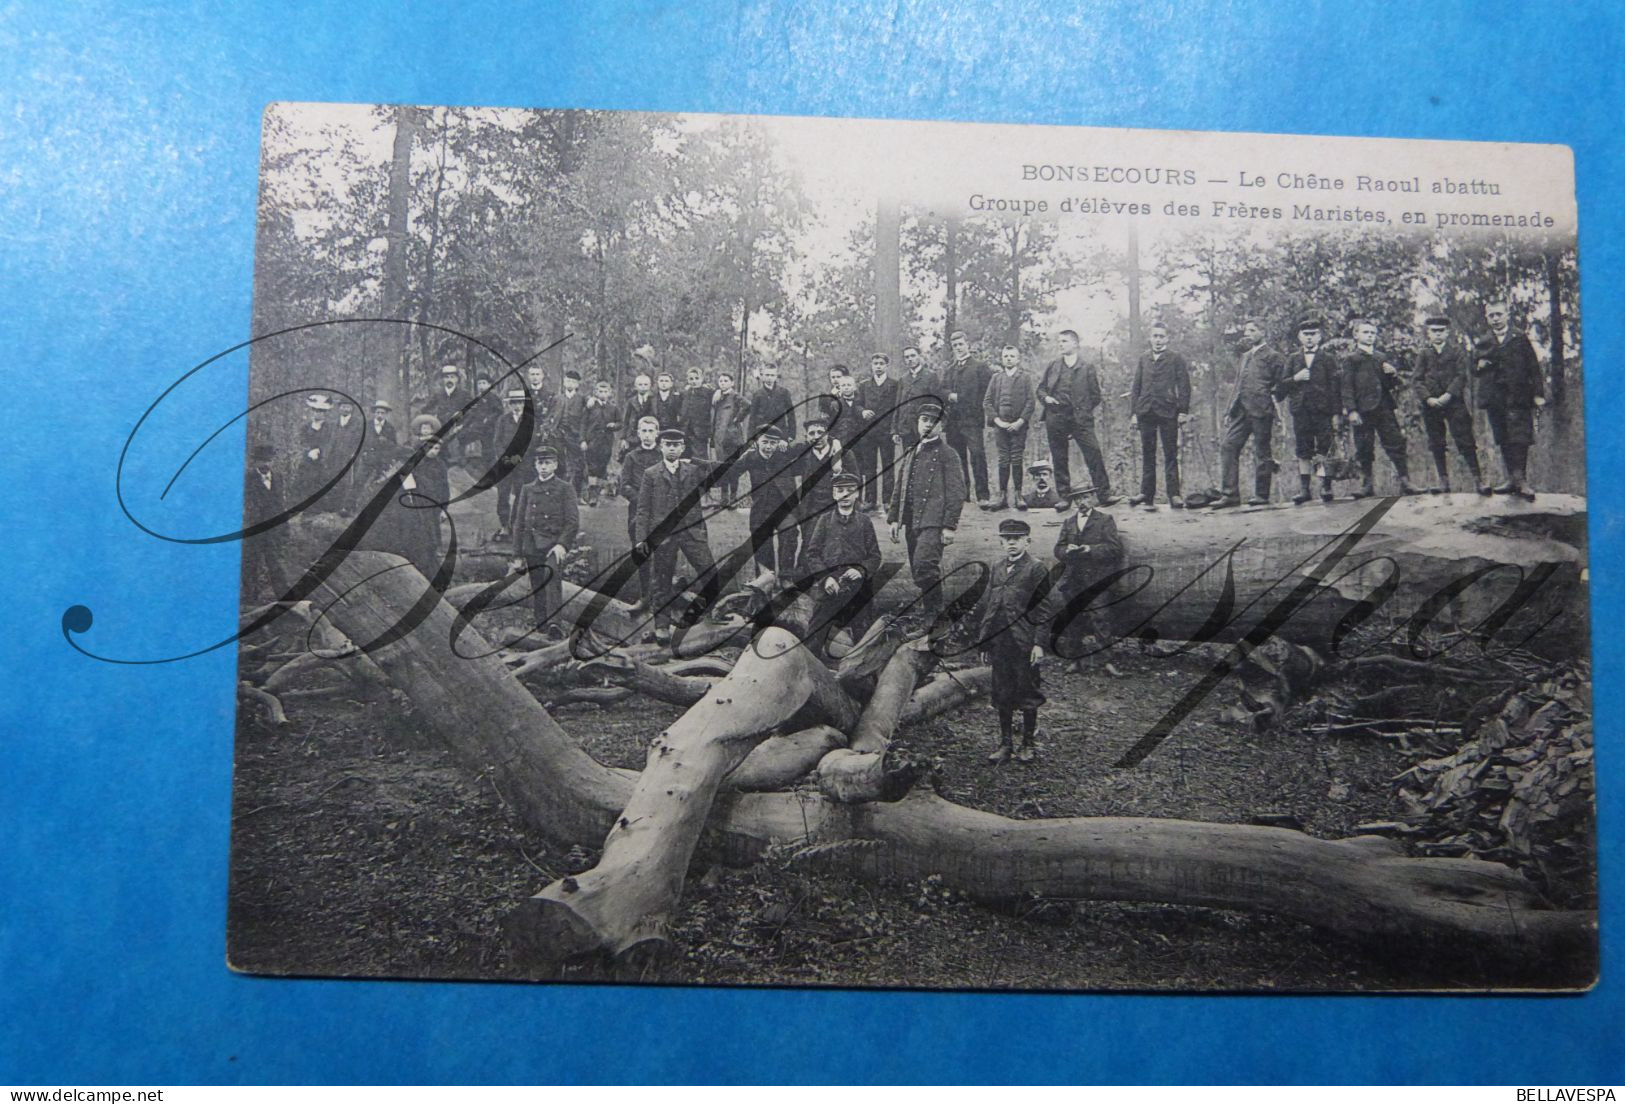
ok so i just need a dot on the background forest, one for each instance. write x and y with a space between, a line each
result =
703 238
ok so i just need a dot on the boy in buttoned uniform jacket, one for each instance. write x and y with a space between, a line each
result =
1369 383
926 504
634 465
1159 405
671 519
1012 622
1008 406
1312 385
1510 388
546 522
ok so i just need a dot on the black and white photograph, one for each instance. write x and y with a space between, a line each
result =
742 550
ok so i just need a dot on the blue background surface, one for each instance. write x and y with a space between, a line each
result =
128 162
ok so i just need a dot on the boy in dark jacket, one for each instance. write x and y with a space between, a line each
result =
633 466
1369 383
1011 619
926 505
1312 386
1160 403
545 524
1441 383
840 562
1088 549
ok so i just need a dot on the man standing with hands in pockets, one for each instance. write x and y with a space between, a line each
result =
926 504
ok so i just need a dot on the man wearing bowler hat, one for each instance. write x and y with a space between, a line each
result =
1012 617
1441 382
445 402
510 450
840 561
926 504
545 524
671 519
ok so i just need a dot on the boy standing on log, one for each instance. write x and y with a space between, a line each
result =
1018 599
1510 387
1159 404
634 465
1369 383
840 562
1313 389
1008 406
671 520
1441 381
545 524
772 483
926 504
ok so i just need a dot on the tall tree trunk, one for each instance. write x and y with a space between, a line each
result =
888 326
426 303
1554 289
950 277
393 385
1131 276
1013 321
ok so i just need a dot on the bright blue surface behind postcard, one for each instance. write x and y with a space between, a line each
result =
128 169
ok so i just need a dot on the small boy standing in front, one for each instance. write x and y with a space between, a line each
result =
1014 613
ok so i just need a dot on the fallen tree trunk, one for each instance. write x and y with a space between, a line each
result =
492 724
865 770
1188 584
779 762
626 899
644 678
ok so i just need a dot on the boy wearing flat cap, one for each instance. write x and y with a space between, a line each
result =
1011 618
771 467
1313 388
840 560
926 504
545 524
671 519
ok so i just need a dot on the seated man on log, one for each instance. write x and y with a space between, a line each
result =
1018 599
839 563
671 519
1088 549
545 524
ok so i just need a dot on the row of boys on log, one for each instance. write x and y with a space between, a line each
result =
916 443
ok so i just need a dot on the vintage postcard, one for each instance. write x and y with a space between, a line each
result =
790 551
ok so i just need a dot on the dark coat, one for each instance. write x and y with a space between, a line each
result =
847 423
444 407
968 379
930 490
310 472
663 492
914 391
817 480
694 419
503 445
1076 391
880 398
1257 379
1321 394
1081 569
1441 372
774 407
837 543
636 408
1162 385
1009 396
600 426
569 418
729 413
772 477
1509 376
1018 604
1366 387
669 410
544 514
634 465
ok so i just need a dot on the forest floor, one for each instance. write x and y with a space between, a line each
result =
361 848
